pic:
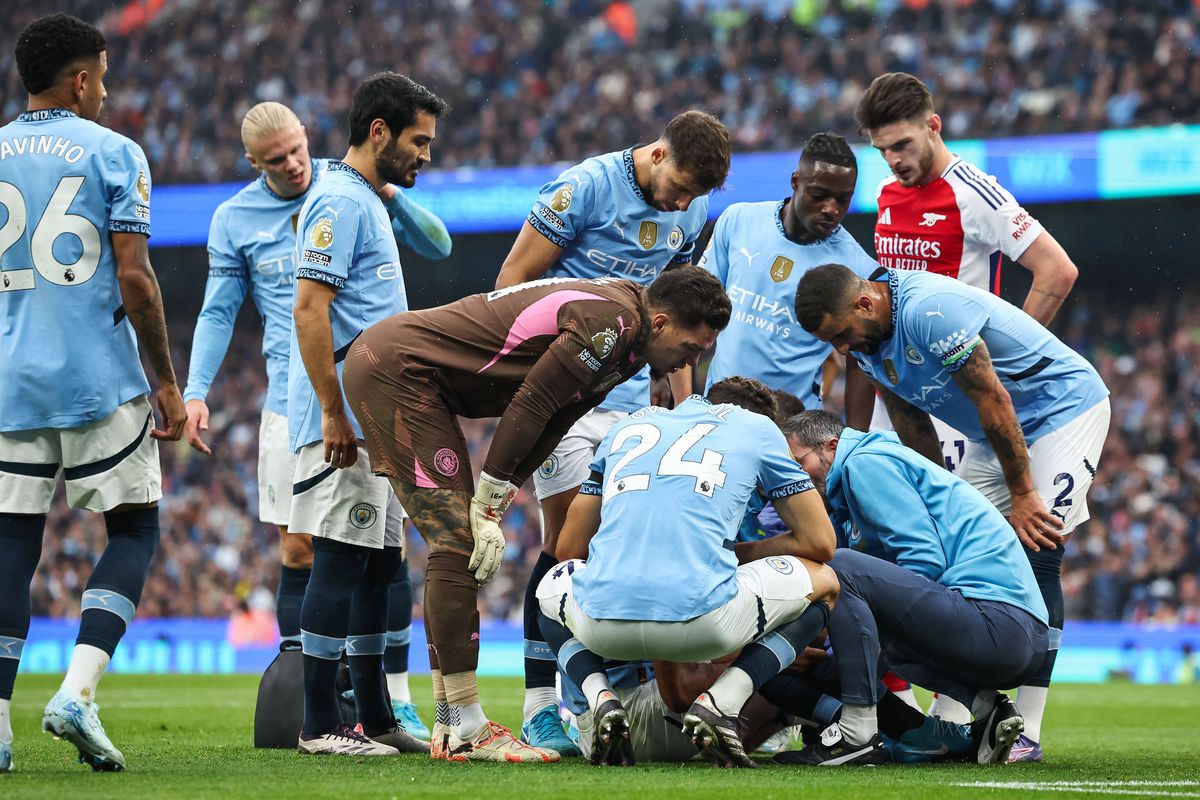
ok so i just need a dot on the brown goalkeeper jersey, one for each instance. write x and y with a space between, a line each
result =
538 355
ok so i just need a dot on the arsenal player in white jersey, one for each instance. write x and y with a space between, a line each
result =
941 214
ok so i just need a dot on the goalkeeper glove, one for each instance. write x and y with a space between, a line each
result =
491 500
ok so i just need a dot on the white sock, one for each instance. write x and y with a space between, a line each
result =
593 686
732 690
909 697
859 724
949 709
83 674
397 683
1031 702
6 734
470 719
537 698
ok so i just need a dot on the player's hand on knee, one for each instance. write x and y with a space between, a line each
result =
1036 527
197 423
174 416
491 500
341 445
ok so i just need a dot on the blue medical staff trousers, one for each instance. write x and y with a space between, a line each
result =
891 617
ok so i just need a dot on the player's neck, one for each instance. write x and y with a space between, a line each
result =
884 288
793 228
364 162
643 160
52 99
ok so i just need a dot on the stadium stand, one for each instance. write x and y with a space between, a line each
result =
533 82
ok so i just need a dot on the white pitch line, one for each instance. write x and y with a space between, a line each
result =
1090 787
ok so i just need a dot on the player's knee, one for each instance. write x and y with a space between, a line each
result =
826 587
295 550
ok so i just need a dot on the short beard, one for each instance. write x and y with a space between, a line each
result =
388 173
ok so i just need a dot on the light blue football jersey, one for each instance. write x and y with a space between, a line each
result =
68 354
760 266
251 247
597 212
675 486
938 322
343 238
890 502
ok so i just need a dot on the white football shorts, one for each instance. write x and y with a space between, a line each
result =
771 591
106 463
347 505
567 467
1062 464
276 469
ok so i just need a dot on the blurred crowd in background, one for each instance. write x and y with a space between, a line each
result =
538 81
1137 559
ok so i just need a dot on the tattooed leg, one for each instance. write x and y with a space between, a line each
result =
451 593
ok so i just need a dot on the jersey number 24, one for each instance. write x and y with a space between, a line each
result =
706 471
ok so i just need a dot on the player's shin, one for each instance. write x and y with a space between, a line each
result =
452 620
540 668
111 596
583 667
21 543
324 624
1031 698
766 657
399 635
367 640
288 601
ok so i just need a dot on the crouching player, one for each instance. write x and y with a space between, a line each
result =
670 587
933 585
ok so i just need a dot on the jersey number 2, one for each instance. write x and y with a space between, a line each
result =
706 471
54 222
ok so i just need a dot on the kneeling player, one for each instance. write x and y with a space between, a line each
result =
703 461
922 554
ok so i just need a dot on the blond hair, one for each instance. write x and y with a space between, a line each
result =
265 119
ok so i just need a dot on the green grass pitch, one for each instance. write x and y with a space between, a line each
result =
188 737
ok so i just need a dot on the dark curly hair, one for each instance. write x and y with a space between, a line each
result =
692 296
748 393
51 44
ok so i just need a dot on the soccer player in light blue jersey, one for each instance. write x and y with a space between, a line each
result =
251 246
1035 413
348 277
677 586
629 214
920 554
77 297
759 251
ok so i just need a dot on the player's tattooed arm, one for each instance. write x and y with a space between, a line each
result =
142 301
441 516
912 425
1053 276
978 380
